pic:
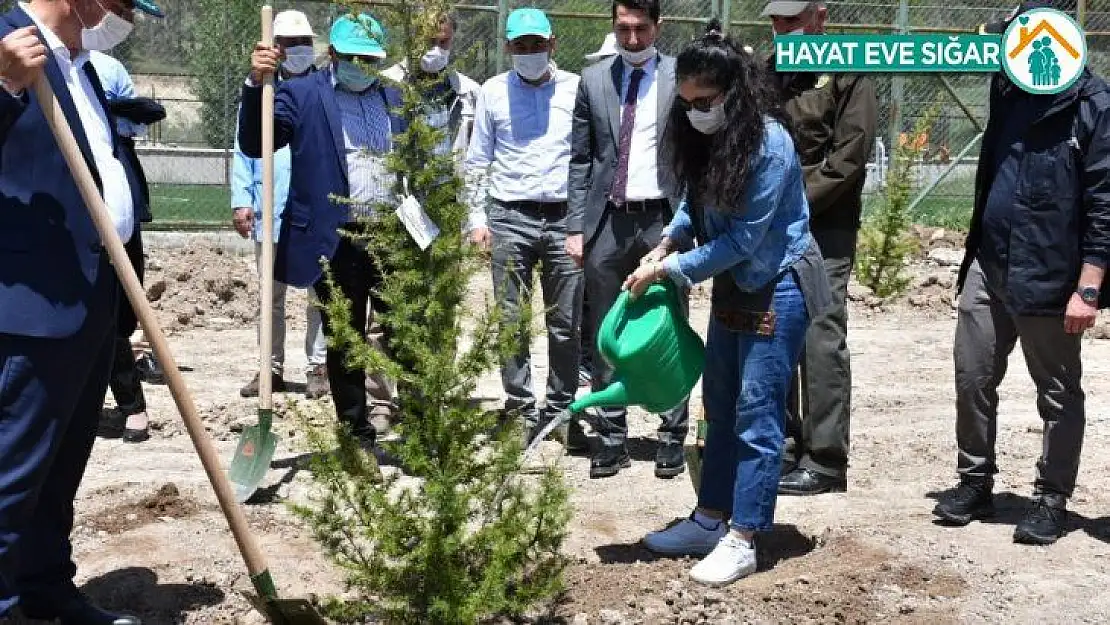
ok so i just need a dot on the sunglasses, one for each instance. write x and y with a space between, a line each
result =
703 104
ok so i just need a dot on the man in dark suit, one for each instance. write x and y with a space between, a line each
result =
339 125
622 195
58 293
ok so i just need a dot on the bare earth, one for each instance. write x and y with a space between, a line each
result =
150 538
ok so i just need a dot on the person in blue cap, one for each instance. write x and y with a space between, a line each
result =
517 167
340 125
59 293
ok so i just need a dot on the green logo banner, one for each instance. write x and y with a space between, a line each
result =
888 53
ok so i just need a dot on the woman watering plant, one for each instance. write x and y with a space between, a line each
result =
746 210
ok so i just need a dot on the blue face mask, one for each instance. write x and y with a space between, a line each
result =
352 77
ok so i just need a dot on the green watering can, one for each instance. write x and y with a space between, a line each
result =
656 356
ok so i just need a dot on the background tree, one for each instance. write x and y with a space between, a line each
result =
222 39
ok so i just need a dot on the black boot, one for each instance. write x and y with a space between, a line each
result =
971 500
1045 522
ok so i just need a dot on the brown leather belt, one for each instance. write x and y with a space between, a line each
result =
747 321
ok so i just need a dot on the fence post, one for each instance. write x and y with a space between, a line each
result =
1081 13
725 11
898 81
502 19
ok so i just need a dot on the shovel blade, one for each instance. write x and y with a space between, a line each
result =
287 611
693 463
252 461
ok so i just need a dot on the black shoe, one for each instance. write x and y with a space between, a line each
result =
971 500
609 461
805 482
135 435
788 467
1044 523
577 441
72 608
670 460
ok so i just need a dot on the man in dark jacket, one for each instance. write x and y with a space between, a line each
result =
1034 267
834 118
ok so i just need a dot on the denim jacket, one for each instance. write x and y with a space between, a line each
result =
755 242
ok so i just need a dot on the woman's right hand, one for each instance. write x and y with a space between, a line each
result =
654 256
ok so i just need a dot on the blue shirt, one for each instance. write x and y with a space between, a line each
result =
522 137
246 185
117 85
368 138
757 241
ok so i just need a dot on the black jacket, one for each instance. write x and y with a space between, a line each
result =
1061 204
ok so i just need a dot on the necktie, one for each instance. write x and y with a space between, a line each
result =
624 144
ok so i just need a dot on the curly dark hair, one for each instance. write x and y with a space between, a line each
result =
714 168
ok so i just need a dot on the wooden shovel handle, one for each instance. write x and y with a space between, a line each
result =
63 134
266 271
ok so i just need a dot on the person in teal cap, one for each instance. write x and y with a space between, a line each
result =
518 164
59 292
340 125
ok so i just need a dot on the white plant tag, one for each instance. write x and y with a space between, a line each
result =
417 222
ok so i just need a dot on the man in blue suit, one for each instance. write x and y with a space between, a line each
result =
58 293
340 126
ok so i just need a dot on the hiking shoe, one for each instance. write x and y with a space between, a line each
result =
731 559
686 538
277 385
971 500
318 385
1045 522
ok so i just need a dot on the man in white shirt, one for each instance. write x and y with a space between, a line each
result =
58 292
522 141
622 194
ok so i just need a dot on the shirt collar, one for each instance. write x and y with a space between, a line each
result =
519 82
52 41
648 67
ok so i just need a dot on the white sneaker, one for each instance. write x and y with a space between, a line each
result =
687 538
732 559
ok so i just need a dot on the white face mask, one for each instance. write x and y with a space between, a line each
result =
298 59
435 60
638 58
108 33
531 66
707 122
789 33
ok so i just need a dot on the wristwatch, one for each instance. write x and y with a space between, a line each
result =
1088 294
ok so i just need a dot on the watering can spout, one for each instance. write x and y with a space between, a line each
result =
616 394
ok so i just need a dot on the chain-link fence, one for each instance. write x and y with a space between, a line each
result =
194 62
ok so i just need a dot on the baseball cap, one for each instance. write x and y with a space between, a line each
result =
149 7
528 21
292 24
361 37
608 48
787 8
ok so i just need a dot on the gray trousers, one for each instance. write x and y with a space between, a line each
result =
615 251
819 420
985 336
522 239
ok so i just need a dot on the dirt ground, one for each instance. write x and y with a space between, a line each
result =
150 538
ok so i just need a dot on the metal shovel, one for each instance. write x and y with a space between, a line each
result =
257 443
279 611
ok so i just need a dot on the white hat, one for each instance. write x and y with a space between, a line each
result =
608 48
292 24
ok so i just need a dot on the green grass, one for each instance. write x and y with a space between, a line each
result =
952 212
189 206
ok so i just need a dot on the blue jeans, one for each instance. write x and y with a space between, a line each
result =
746 385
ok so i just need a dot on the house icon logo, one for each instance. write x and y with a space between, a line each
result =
1044 51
